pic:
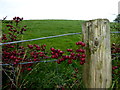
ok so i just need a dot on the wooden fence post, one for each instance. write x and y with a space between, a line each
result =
97 72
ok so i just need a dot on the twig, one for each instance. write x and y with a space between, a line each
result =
10 79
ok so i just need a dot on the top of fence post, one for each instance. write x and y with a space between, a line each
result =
98 67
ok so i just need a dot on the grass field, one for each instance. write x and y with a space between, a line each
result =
50 75
45 28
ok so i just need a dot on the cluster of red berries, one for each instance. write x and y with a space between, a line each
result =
56 53
13 56
78 54
13 53
80 43
17 19
114 67
37 47
12 34
115 50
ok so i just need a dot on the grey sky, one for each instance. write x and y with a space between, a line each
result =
59 9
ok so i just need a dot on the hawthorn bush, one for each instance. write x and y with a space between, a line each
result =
17 74
66 72
115 50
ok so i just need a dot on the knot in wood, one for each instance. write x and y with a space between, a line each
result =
105 22
96 43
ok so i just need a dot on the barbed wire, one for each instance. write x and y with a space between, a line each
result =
115 32
42 61
46 38
29 62
40 39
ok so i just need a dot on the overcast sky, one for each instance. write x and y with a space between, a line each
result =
59 9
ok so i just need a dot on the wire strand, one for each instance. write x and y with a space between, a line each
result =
46 38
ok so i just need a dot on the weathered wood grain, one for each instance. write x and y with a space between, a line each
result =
97 71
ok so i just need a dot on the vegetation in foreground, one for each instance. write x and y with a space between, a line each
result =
51 74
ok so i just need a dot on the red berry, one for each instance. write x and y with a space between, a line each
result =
11 57
82 59
83 44
17 21
53 56
37 48
34 56
41 53
62 59
17 60
7 25
44 45
77 43
79 50
80 42
15 30
58 61
114 67
69 50
113 51
67 57
36 45
17 18
30 46
56 54
78 55
24 29
74 58
83 51
61 52
35 59
29 69
83 55
20 58
81 63
69 61
37 53
58 50
72 54
10 33
52 49
52 52
14 63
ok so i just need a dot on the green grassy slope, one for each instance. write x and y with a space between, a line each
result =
45 28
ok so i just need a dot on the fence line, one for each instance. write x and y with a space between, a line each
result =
29 62
115 32
41 39
46 38
42 61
